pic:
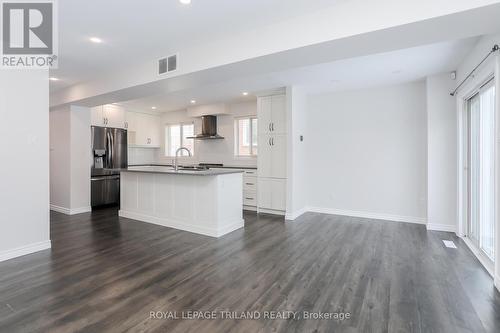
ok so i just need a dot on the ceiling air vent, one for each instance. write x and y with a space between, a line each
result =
167 65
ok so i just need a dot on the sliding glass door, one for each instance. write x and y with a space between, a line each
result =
481 162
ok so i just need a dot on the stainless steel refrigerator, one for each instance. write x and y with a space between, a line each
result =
109 151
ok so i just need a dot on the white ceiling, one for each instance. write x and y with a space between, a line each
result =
355 73
138 31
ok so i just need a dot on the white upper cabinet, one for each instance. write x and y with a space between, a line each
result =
278 121
143 129
97 116
278 156
108 116
264 160
272 156
272 114
272 136
115 116
264 107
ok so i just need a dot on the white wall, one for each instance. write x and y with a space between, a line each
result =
81 158
70 159
24 143
297 166
60 175
367 152
442 154
212 151
137 156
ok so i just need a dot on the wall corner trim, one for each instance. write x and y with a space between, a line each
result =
24 250
294 215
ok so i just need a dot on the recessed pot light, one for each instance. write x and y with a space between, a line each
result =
95 40
193 101
185 2
245 93
53 79
153 108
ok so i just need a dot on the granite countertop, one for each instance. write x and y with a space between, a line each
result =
170 170
214 167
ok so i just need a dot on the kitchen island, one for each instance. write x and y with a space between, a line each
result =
207 202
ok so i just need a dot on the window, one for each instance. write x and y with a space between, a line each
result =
176 136
481 162
245 133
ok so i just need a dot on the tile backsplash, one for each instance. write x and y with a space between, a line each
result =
142 155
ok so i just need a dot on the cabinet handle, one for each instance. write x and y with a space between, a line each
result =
272 140
272 126
269 141
249 198
269 127
250 183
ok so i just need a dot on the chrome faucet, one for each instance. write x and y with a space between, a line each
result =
176 164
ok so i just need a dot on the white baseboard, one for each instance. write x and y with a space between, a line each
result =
212 232
80 210
69 211
441 227
271 211
368 215
24 250
296 214
60 209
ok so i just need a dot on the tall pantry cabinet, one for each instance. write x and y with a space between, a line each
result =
272 143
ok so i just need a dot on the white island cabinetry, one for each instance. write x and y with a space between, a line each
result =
249 187
203 202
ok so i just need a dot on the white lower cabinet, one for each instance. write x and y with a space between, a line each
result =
250 200
250 188
272 194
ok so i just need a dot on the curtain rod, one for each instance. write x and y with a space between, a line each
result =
494 49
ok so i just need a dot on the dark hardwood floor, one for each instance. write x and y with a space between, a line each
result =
107 274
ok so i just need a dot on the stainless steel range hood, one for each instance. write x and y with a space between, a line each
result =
208 129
